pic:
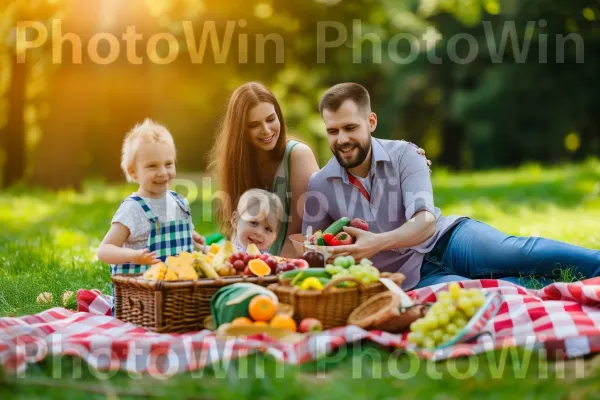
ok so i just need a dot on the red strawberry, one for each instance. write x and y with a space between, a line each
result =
359 224
344 238
327 238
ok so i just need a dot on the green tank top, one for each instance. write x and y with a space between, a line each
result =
281 187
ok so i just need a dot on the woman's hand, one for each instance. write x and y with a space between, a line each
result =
145 257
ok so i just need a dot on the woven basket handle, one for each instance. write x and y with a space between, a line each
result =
334 282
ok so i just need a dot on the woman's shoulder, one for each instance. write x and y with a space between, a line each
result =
300 151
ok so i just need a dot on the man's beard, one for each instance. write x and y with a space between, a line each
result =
363 151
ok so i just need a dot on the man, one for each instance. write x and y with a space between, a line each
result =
387 183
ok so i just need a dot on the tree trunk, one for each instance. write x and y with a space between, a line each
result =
14 132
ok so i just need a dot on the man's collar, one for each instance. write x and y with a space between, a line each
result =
333 169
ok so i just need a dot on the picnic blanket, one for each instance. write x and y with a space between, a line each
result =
562 318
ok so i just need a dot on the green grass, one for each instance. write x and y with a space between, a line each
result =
48 241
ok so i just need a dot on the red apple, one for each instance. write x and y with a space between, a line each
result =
310 325
247 271
247 258
263 257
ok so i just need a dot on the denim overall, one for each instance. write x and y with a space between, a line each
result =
166 238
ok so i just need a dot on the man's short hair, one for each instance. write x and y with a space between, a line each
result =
336 95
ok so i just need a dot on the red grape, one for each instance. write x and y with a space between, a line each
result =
272 263
239 265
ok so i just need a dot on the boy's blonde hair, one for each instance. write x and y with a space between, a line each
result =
149 132
269 203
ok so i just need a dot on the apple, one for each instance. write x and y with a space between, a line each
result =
247 258
263 257
310 325
247 271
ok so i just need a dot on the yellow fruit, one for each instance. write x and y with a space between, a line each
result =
253 250
171 275
156 272
208 269
260 323
214 248
224 253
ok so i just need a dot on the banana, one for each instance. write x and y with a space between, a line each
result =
208 269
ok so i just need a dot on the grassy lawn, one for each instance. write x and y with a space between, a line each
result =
48 240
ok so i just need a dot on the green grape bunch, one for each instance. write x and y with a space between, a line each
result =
446 317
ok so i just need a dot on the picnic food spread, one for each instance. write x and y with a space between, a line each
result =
313 293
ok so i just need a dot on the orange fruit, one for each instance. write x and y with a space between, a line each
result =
259 267
262 308
260 323
240 321
284 322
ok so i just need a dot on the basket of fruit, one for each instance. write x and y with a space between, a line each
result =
175 296
330 294
322 241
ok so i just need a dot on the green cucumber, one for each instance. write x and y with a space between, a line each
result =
306 273
337 226
324 281
320 242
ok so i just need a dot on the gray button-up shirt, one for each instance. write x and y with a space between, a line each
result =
401 187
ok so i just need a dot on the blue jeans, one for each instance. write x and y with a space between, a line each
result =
474 250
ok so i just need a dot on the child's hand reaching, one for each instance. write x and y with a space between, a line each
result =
199 240
144 257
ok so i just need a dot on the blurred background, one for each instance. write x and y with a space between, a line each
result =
483 83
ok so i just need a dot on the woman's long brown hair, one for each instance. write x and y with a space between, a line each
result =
232 159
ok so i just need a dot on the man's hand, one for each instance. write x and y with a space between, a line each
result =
145 257
366 246
198 240
422 152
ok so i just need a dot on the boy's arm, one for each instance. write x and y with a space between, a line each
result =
111 250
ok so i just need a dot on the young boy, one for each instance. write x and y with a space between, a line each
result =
154 222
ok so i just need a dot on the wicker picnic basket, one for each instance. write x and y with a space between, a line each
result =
170 306
384 312
331 305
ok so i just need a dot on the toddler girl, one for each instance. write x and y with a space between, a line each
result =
256 220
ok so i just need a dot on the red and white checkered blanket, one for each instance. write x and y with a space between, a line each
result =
561 318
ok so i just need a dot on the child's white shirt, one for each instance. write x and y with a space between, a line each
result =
131 215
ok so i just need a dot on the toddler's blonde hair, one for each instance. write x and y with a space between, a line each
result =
269 203
149 132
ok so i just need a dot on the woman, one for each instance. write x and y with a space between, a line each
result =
252 151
